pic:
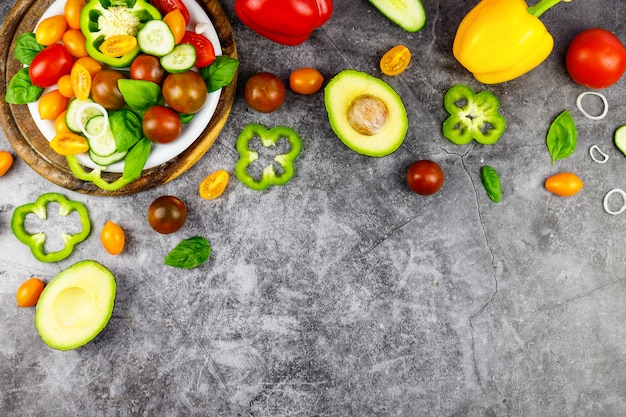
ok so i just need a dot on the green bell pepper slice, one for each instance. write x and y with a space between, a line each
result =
472 116
268 138
101 19
95 176
37 240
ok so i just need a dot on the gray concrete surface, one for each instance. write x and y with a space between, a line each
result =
343 293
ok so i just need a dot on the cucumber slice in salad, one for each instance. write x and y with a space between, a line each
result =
105 161
181 59
99 136
71 117
156 38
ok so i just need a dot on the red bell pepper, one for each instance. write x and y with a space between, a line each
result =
288 22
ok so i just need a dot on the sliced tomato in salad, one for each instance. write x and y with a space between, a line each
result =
205 53
166 6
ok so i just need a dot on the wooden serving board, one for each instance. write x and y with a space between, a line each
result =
32 147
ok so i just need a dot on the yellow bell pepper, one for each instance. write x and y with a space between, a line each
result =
499 40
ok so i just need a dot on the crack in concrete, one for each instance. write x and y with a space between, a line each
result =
588 293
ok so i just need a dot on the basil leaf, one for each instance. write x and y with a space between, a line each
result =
562 135
189 253
26 48
220 73
139 94
21 90
491 182
126 129
136 159
186 118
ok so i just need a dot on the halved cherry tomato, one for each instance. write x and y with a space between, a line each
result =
81 82
176 22
565 184
205 53
92 65
214 185
51 104
28 293
72 10
59 124
74 41
51 30
112 238
49 65
6 160
166 6
306 80
69 144
118 45
65 86
395 60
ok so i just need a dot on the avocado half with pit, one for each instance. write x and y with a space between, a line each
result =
366 113
76 305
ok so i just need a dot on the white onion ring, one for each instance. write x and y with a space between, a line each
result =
606 201
597 149
579 100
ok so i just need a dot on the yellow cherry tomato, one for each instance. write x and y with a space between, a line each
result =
81 81
64 86
565 184
177 24
306 81
50 30
214 185
92 65
395 60
6 160
74 41
28 293
72 10
112 238
51 104
59 124
118 45
68 143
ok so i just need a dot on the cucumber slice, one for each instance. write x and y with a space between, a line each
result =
99 136
408 14
620 139
156 38
71 119
181 59
105 161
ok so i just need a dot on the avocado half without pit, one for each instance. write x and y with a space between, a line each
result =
76 305
366 113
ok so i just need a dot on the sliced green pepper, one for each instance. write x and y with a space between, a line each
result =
268 138
95 176
37 241
472 116
101 19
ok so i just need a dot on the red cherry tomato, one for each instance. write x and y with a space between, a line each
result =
596 58
264 92
49 65
205 53
148 68
161 124
166 6
425 177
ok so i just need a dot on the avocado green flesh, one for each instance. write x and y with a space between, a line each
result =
76 305
339 95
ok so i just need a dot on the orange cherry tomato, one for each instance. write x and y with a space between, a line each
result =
213 185
65 86
72 10
51 104
112 238
395 60
565 184
68 143
59 124
118 45
306 81
92 65
81 81
6 160
177 24
51 30
74 41
28 293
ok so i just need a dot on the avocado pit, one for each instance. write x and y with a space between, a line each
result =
368 114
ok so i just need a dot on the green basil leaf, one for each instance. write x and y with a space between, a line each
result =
189 253
562 136
21 90
220 73
126 129
139 94
26 48
491 182
186 118
136 159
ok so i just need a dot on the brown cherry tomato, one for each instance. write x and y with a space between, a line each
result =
214 185
264 92
161 124
167 214
104 89
147 68
306 81
113 238
425 177
185 92
565 184
28 293
6 160
395 60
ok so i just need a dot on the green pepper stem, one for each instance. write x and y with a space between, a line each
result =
543 5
